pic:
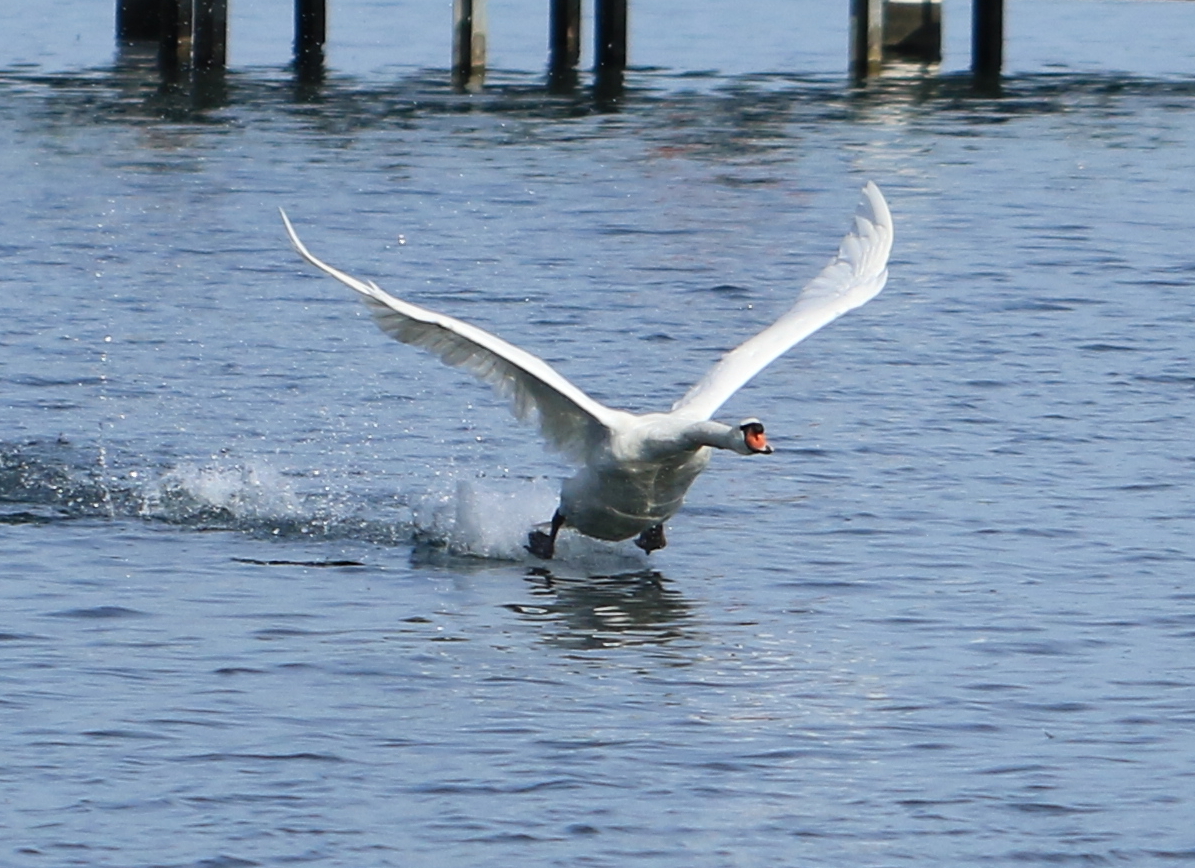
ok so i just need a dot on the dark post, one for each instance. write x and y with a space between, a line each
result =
174 45
462 41
867 36
987 40
564 43
311 32
211 35
137 20
610 35
610 48
859 15
468 43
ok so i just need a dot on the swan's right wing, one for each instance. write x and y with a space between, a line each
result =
569 420
853 277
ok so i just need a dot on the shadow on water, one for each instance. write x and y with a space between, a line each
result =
133 91
604 611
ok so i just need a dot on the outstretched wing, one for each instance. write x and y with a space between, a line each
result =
852 278
569 420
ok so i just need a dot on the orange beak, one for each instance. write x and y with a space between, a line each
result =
757 441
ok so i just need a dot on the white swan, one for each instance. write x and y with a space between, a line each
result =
635 470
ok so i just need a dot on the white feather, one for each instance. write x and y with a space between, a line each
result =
570 421
636 469
853 277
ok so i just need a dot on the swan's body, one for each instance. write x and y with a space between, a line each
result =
636 469
638 478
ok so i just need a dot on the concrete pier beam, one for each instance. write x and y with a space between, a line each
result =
913 30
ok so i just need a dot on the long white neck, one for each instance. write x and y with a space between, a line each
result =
715 434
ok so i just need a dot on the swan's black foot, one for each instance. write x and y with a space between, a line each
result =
652 539
543 545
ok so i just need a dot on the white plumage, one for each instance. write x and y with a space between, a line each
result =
636 469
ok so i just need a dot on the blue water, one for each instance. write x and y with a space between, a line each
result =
262 593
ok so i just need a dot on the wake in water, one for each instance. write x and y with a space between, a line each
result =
45 481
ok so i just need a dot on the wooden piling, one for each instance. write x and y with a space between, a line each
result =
610 35
987 40
311 32
192 35
867 37
468 44
137 20
564 43
210 37
174 45
610 49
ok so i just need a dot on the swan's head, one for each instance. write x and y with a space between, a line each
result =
755 442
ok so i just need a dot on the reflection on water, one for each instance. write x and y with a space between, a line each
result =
132 89
586 612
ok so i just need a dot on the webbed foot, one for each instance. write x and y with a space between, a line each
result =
543 545
652 539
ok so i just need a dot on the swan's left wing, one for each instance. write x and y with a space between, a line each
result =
569 420
853 277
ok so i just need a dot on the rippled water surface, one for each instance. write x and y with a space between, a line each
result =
263 597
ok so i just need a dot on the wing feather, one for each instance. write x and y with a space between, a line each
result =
852 278
569 420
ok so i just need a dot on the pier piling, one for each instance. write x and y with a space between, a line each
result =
311 32
210 37
174 44
610 34
867 37
192 37
987 40
882 29
564 43
137 20
610 47
468 44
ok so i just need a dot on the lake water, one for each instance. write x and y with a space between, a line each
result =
263 599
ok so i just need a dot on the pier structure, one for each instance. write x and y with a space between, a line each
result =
191 34
886 29
192 37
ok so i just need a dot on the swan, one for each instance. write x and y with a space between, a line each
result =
636 469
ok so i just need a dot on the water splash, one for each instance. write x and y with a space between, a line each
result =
489 518
68 482
470 518
486 520
253 496
238 493
55 475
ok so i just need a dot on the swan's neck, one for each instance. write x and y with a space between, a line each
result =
715 434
